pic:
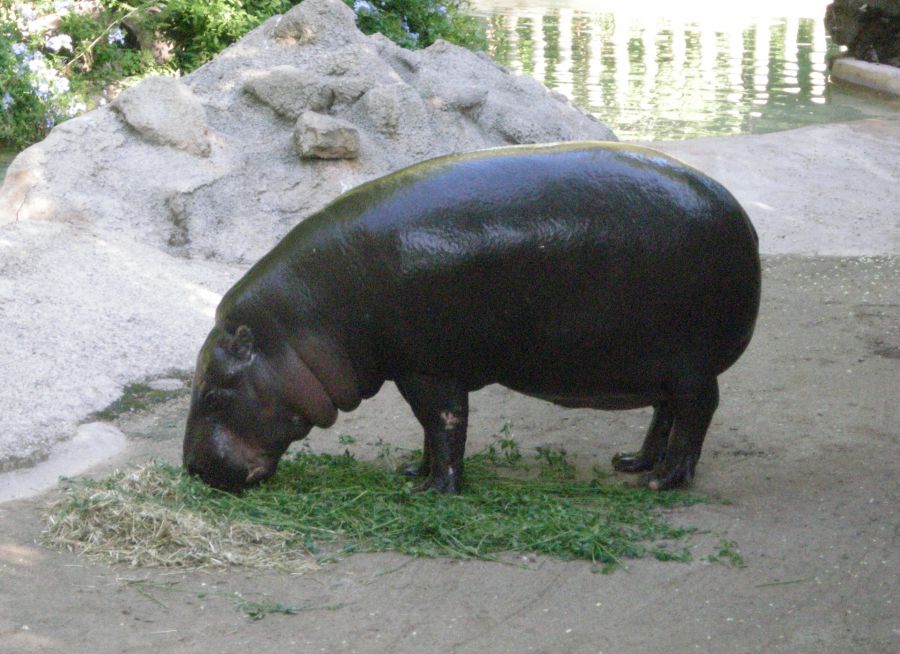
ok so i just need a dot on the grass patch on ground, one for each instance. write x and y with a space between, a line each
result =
141 396
320 507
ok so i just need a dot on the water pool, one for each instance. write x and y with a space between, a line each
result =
659 69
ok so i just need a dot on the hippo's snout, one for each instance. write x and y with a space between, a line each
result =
223 462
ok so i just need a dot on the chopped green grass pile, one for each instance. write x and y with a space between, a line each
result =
322 506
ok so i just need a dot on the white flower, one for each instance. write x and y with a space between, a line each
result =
36 64
28 12
19 49
116 35
364 7
42 90
60 85
440 10
6 101
76 108
60 42
63 7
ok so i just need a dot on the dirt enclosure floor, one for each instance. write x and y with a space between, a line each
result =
801 463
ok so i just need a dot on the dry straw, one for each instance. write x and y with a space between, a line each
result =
131 520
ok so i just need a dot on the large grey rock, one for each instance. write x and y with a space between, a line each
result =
128 221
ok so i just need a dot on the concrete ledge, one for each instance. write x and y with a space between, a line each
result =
874 76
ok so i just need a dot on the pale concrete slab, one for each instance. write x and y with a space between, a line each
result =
824 189
879 77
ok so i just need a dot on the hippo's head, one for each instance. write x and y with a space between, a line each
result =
239 424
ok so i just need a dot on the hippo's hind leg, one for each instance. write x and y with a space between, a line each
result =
693 406
442 407
654 448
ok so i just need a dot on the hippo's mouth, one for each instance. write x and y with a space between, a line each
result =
227 463
231 478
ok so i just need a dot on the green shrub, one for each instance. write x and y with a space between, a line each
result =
47 76
34 94
103 50
419 23
200 30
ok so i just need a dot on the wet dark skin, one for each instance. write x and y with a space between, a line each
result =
587 274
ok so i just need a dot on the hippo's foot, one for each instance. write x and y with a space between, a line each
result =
655 444
666 476
632 462
415 469
449 484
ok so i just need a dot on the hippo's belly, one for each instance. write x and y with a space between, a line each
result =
607 401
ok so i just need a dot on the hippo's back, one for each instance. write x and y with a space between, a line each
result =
585 268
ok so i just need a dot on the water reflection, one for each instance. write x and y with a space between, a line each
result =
671 72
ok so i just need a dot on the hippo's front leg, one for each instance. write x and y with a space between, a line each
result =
442 407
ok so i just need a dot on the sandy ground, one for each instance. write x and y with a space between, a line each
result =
801 460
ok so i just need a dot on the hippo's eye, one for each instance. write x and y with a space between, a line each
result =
216 399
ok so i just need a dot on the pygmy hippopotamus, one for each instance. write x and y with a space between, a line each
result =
586 274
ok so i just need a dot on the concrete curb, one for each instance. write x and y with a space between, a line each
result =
878 77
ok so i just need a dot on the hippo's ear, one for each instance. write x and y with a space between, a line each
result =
241 344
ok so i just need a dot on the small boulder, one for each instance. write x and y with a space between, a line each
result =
317 136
